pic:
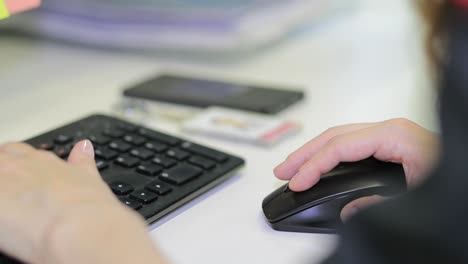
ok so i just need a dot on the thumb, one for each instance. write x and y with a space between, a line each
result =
359 204
82 155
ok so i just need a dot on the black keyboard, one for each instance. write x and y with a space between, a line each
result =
149 171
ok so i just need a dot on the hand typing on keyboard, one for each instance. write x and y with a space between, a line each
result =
76 217
77 206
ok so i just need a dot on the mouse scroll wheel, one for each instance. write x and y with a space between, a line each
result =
286 189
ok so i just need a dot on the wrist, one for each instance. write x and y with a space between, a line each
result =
98 235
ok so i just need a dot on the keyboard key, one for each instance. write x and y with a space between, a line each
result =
158 136
202 162
157 147
62 152
141 153
164 161
127 161
180 174
177 154
203 151
149 170
115 133
143 196
121 188
130 203
127 127
159 188
46 146
99 140
105 153
120 146
134 139
101 165
63 139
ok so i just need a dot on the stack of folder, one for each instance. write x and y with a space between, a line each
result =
179 25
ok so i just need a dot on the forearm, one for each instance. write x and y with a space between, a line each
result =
120 237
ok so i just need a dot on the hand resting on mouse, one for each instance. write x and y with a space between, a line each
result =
395 140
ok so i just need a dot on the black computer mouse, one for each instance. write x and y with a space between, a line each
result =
317 210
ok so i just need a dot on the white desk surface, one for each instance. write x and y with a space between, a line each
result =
362 66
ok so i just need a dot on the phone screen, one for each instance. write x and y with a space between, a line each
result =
196 89
204 93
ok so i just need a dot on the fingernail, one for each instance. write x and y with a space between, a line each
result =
88 148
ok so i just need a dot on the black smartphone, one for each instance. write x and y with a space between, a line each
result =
204 93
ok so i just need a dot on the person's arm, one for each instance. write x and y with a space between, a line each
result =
63 212
428 225
9 7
